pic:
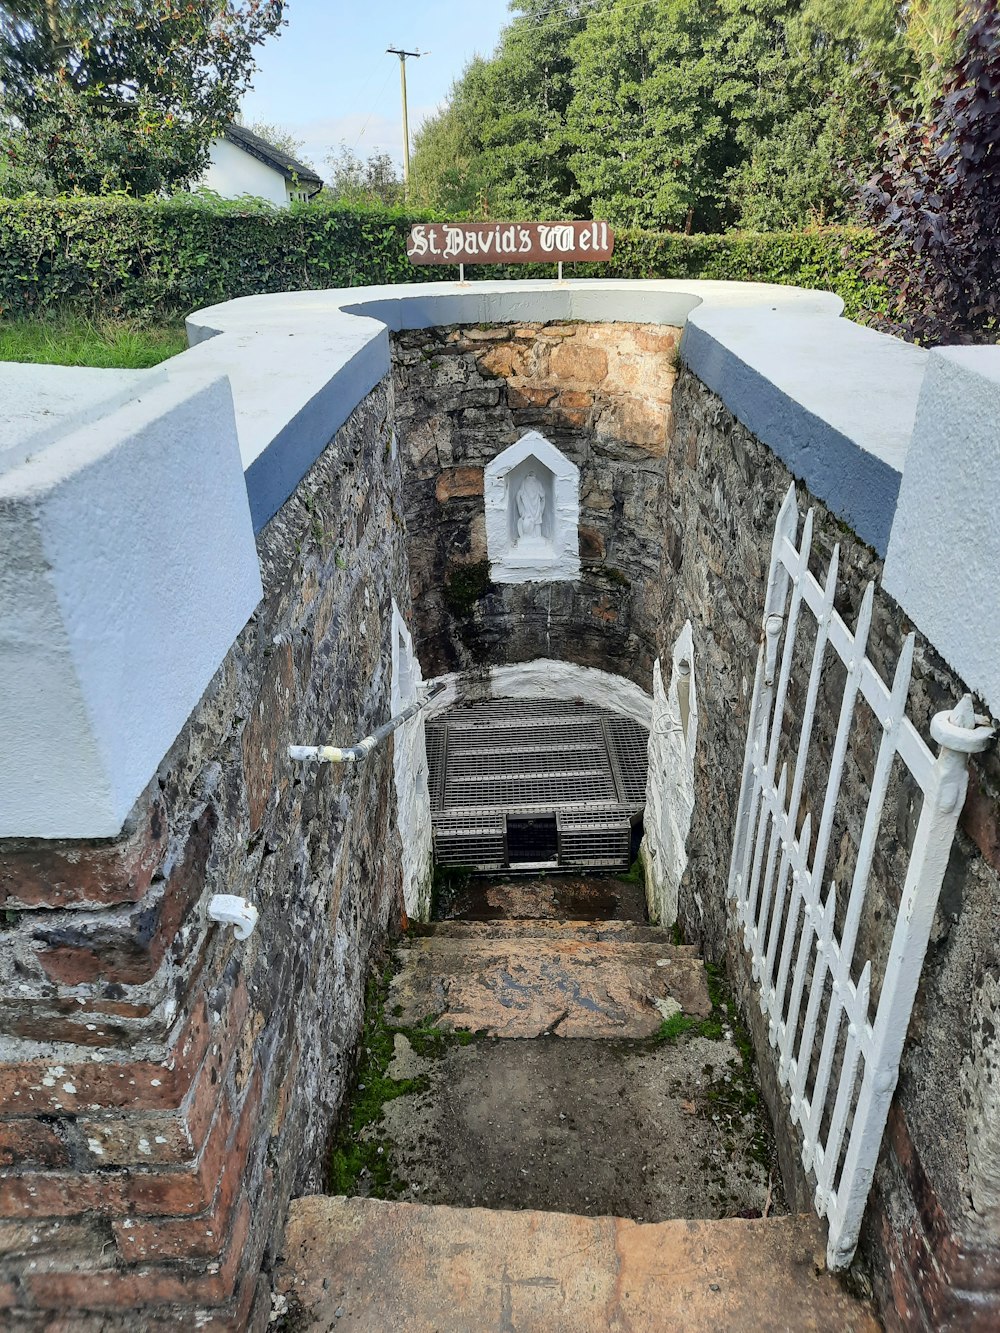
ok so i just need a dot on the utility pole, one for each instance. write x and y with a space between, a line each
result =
403 56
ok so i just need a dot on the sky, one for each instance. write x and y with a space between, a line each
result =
327 77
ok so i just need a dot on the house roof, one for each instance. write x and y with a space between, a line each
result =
265 152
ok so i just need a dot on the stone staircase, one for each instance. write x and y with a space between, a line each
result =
534 978
611 1159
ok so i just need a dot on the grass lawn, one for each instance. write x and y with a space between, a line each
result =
67 340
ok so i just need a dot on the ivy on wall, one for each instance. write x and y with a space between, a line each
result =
165 257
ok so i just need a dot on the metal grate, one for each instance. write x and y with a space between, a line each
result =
592 840
578 765
471 840
628 744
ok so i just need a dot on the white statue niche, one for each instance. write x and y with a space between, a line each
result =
532 499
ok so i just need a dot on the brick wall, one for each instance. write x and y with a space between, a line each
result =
601 394
164 1088
932 1233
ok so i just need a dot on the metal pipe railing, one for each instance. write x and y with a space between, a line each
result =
332 754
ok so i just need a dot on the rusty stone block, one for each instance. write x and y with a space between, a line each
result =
521 395
129 952
458 482
86 874
574 362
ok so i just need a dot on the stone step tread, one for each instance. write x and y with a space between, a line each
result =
477 948
635 932
529 987
365 1264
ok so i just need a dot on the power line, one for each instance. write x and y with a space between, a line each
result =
378 98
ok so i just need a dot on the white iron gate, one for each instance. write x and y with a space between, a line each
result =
837 1050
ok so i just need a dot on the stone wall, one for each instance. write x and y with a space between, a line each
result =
932 1232
164 1088
601 394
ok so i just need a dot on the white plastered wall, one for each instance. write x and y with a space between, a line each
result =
670 789
413 802
234 174
944 549
130 568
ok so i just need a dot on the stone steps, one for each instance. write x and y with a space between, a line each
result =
369 1265
528 981
632 932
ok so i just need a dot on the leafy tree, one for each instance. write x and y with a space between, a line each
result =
936 199
680 114
520 99
103 95
932 34
280 138
505 127
650 146
372 180
445 163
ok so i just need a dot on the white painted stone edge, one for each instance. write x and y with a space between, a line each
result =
546 678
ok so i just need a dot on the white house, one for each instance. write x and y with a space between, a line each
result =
242 163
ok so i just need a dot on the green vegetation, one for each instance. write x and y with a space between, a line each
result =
157 258
449 883
677 1026
465 585
936 200
68 341
160 257
636 873
360 1153
723 1016
106 95
734 1100
616 576
691 115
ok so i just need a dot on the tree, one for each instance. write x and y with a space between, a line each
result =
808 85
936 199
502 145
354 180
280 138
105 95
650 146
445 168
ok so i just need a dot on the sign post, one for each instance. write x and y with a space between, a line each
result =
464 243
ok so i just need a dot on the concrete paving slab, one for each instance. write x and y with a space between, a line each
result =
368 1265
628 1129
527 987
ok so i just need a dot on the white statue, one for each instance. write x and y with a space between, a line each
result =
530 507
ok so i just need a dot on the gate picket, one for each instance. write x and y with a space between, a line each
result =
776 879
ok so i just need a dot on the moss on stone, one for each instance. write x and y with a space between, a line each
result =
616 576
734 1099
448 884
465 586
361 1156
357 1151
676 1026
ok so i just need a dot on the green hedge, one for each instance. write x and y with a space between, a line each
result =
167 257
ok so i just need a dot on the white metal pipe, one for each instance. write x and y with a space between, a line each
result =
351 754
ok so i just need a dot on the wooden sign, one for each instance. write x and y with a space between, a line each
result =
510 242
